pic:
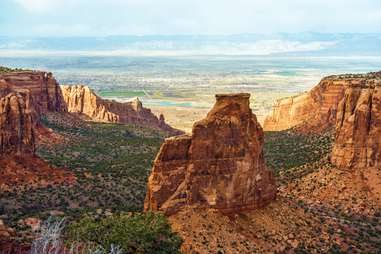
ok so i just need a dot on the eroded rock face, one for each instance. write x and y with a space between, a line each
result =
220 165
318 107
43 88
81 99
48 95
17 123
358 129
19 166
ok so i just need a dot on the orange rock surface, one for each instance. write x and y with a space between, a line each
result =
49 96
318 107
17 123
43 88
220 165
358 129
81 99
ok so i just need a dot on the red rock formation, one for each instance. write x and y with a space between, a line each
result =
220 165
318 107
43 87
48 95
18 164
17 123
81 99
358 129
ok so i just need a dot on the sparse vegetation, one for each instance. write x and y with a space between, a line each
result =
50 241
111 162
4 69
286 151
332 207
133 232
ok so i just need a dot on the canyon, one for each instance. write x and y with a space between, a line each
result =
28 96
187 185
348 103
221 165
312 182
49 96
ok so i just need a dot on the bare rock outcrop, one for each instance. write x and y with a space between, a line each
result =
318 107
43 88
49 96
17 123
19 166
358 129
81 99
220 165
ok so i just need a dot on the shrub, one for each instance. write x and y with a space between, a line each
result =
133 232
49 241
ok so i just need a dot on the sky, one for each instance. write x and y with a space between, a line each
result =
190 17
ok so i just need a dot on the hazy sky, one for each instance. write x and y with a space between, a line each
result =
140 17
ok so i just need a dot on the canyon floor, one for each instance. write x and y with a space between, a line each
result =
111 163
319 208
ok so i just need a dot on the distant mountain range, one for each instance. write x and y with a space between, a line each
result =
283 44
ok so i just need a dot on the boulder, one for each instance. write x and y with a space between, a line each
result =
33 223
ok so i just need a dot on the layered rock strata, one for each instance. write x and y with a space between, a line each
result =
81 99
220 165
49 96
318 107
19 166
17 123
358 129
43 88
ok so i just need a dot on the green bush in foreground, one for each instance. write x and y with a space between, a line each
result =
133 232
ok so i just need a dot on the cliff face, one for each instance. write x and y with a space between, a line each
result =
318 107
17 123
220 165
42 86
289 112
48 95
19 166
81 99
358 129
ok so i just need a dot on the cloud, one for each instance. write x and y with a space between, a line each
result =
36 5
62 28
261 47
108 17
181 48
267 47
